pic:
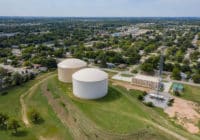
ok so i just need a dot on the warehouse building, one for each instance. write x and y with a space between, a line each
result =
146 81
69 66
90 83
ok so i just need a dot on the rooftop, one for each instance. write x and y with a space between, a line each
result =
177 86
72 63
146 78
90 75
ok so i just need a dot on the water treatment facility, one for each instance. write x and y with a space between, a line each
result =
99 78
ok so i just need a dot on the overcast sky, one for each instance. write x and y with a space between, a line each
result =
100 8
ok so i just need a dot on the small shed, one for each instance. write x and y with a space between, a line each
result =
122 66
177 87
110 65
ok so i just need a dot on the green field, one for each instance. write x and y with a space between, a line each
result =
51 127
118 115
120 112
191 93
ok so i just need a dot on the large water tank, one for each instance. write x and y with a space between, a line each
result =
90 83
69 66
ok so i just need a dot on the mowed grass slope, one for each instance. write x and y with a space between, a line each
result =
121 113
51 127
118 113
191 93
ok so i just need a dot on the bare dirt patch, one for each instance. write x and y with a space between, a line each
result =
186 113
44 138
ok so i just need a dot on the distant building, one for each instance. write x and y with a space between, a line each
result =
177 87
37 66
183 76
43 69
146 81
14 47
122 66
116 35
110 65
16 52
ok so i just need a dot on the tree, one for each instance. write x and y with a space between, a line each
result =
50 63
140 97
59 52
147 67
3 121
168 67
196 78
35 117
149 104
17 79
177 93
176 74
179 56
14 126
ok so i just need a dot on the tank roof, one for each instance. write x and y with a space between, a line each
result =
90 75
72 63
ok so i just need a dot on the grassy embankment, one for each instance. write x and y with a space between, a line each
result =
121 113
191 93
51 127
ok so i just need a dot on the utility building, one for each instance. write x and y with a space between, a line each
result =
146 81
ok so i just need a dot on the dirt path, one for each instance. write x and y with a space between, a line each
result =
22 101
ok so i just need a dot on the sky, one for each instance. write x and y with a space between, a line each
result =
101 8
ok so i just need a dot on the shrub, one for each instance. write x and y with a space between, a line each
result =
14 126
196 78
134 71
3 121
4 93
149 104
140 98
170 102
35 117
144 93
177 93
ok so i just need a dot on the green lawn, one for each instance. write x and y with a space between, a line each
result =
10 103
120 112
51 127
191 93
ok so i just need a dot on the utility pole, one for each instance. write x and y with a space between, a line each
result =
160 69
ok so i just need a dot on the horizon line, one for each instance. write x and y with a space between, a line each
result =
103 16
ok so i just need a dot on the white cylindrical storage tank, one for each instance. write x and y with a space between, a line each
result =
67 67
90 83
